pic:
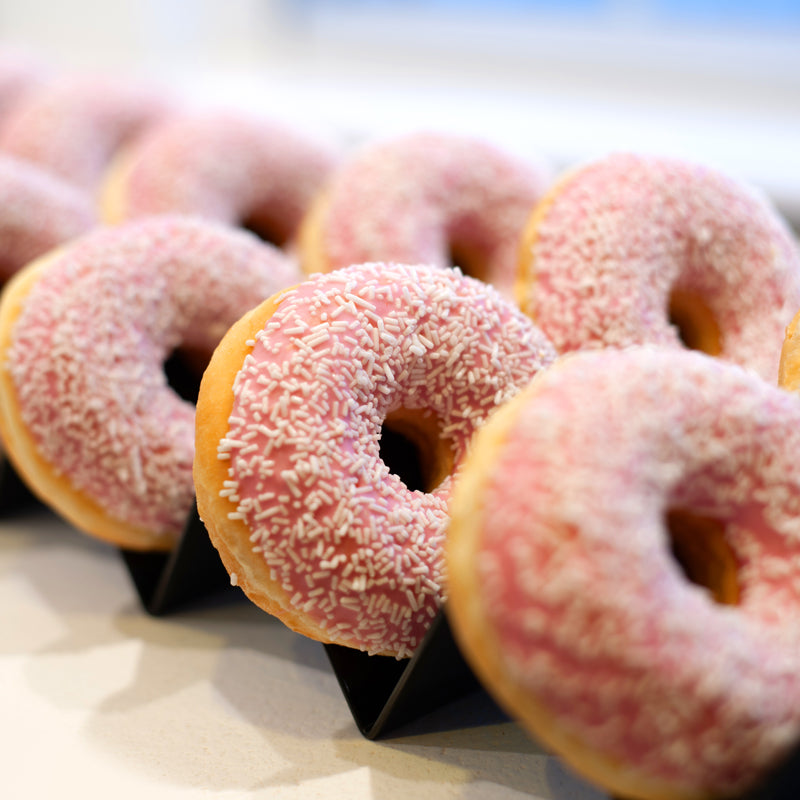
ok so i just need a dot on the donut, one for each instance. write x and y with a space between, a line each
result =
87 414
292 475
634 249
624 573
237 169
38 211
424 197
73 125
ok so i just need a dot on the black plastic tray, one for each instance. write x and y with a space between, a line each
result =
382 693
14 494
782 783
189 574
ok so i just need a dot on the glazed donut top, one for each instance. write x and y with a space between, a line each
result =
430 198
37 212
86 352
591 611
352 546
236 169
616 238
73 125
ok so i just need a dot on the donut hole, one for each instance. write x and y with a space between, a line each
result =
694 322
266 228
468 261
699 547
184 368
413 450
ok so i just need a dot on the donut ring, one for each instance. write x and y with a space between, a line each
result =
290 481
74 125
86 413
634 249
565 595
38 211
238 170
429 198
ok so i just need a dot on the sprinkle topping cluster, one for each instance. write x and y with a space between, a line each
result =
88 348
593 613
428 198
350 544
624 232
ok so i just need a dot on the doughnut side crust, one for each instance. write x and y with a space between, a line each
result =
231 537
524 286
112 200
51 487
789 368
311 236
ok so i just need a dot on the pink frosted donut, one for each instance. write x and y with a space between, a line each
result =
426 197
295 490
224 166
74 125
625 572
86 412
634 249
37 212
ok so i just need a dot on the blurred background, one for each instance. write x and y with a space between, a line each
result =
710 80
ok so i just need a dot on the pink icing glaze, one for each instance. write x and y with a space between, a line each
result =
594 616
421 197
37 212
355 549
88 347
73 125
625 231
228 167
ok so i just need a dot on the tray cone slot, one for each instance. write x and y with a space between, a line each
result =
188 574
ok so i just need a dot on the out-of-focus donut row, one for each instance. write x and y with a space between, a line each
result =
580 372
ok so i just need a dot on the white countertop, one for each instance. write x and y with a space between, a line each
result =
101 700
